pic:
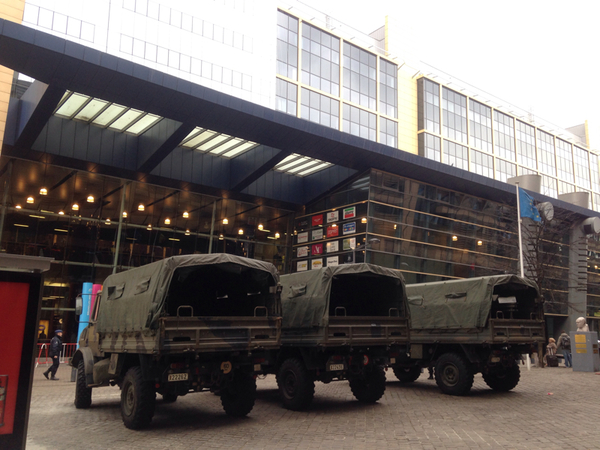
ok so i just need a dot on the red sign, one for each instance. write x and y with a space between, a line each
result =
333 231
317 249
317 220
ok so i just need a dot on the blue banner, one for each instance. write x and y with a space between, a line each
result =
526 206
84 318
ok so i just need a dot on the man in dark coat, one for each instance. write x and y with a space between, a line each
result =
54 353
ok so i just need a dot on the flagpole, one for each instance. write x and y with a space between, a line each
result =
519 225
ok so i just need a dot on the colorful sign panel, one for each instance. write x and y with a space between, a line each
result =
333 231
317 249
317 234
350 213
302 251
333 216
317 220
349 244
333 246
317 263
302 266
303 224
349 228
302 237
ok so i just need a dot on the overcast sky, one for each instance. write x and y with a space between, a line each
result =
541 56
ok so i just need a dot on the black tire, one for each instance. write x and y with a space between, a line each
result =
504 380
296 386
407 374
138 399
83 394
169 398
370 387
453 374
238 398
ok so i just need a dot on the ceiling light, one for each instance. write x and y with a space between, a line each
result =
174 239
260 226
90 199
363 220
241 231
36 217
455 238
61 213
29 199
149 227
225 221
277 235
75 207
21 225
43 191
167 221
186 215
141 207
479 242
107 221
220 237
124 213
187 232
18 206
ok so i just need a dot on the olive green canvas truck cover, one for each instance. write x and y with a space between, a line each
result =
134 300
467 303
358 303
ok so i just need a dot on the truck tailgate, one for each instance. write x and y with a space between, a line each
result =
358 330
213 334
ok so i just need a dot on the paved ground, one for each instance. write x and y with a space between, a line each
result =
551 408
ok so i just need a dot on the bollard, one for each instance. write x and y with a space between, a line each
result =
528 362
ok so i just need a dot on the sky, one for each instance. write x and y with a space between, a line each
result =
540 56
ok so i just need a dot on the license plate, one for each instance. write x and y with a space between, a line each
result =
336 367
178 376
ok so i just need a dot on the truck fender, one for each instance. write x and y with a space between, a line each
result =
85 354
470 354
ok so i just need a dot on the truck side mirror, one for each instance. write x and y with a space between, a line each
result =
78 305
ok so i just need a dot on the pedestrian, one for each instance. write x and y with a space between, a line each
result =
550 357
54 353
564 344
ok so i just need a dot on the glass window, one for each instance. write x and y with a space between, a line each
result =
430 147
504 136
482 163
320 60
480 120
429 105
549 186
320 109
564 161
388 91
547 154
360 68
454 113
388 132
582 171
359 122
287 45
286 97
456 155
505 170
594 172
526 145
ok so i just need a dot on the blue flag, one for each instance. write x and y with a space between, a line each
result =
527 208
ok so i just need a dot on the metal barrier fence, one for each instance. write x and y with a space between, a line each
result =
66 354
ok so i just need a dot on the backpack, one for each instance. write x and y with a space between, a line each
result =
566 342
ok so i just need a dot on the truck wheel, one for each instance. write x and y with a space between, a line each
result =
238 398
453 374
138 399
407 374
169 398
505 380
370 387
296 387
83 394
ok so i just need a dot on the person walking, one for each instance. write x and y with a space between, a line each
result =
54 353
564 344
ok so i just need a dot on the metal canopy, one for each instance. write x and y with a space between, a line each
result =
264 172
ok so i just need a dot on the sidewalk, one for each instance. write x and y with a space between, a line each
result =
551 408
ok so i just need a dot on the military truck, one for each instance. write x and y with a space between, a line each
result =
340 322
463 327
183 324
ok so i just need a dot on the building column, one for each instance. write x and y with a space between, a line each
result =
577 300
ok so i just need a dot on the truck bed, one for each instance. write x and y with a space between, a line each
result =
199 334
350 330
